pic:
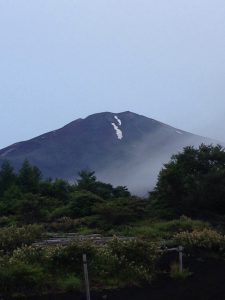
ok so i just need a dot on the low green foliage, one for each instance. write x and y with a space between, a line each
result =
120 211
136 260
117 263
14 237
206 239
69 283
19 278
163 229
63 224
30 255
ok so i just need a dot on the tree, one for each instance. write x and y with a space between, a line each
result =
192 182
82 203
121 211
7 177
32 208
86 181
9 201
121 192
29 177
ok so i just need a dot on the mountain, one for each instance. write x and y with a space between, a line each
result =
123 149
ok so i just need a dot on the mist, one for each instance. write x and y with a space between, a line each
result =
140 171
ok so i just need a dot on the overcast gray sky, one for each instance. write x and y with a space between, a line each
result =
65 59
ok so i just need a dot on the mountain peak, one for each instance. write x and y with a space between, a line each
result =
110 114
123 148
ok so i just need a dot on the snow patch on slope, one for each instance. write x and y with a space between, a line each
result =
119 132
118 120
179 132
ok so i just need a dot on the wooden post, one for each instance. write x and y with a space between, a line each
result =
87 287
180 250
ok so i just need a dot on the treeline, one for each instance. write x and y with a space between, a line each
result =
191 184
26 197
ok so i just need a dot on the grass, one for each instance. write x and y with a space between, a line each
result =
176 274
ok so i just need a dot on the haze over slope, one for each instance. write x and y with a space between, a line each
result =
123 149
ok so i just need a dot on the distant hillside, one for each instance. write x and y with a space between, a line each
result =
122 148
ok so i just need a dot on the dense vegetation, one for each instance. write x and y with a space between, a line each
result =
31 270
27 198
193 182
186 207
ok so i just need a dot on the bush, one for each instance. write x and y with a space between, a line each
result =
164 229
117 263
182 224
7 221
60 212
64 224
135 260
69 283
82 204
30 255
13 237
68 258
45 259
206 239
120 211
114 264
21 279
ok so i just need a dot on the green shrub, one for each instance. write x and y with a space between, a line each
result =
120 211
182 224
21 279
114 264
7 221
64 224
13 237
135 260
60 212
68 258
206 239
30 255
69 283
164 229
82 203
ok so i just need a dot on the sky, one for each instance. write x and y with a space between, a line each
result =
65 59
